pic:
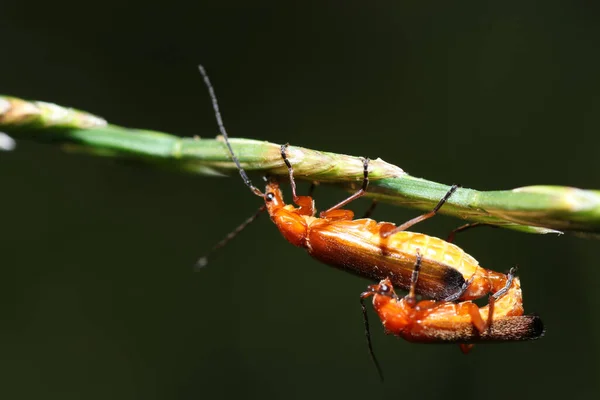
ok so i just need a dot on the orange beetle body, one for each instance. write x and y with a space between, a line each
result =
386 251
431 321
365 247
360 246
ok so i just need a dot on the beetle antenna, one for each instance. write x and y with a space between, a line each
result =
215 104
368 335
203 261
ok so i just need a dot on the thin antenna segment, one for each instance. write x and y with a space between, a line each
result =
203 261
368 336
215 104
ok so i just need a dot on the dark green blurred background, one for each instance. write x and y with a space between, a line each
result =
98 299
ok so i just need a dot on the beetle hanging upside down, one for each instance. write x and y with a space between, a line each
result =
363 246
430 321
419 263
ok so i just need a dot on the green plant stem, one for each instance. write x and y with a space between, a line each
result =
535 209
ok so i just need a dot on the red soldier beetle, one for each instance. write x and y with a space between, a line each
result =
430 321
363 246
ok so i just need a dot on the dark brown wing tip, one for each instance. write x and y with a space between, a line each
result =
525 327
508 329
452 283
538 329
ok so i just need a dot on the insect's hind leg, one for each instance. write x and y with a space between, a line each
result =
466 227
370 210
492 302
477 321
306 204
335 212
312 187
510 277
422 217
479 324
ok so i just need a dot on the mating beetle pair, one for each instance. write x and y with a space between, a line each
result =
422 264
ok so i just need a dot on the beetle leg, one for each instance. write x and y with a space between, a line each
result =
478 322
462 228
425 216
311 188
411 297
306 203
356 195
370 210
509 281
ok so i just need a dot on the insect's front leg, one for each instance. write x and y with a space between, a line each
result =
335 212
306 204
